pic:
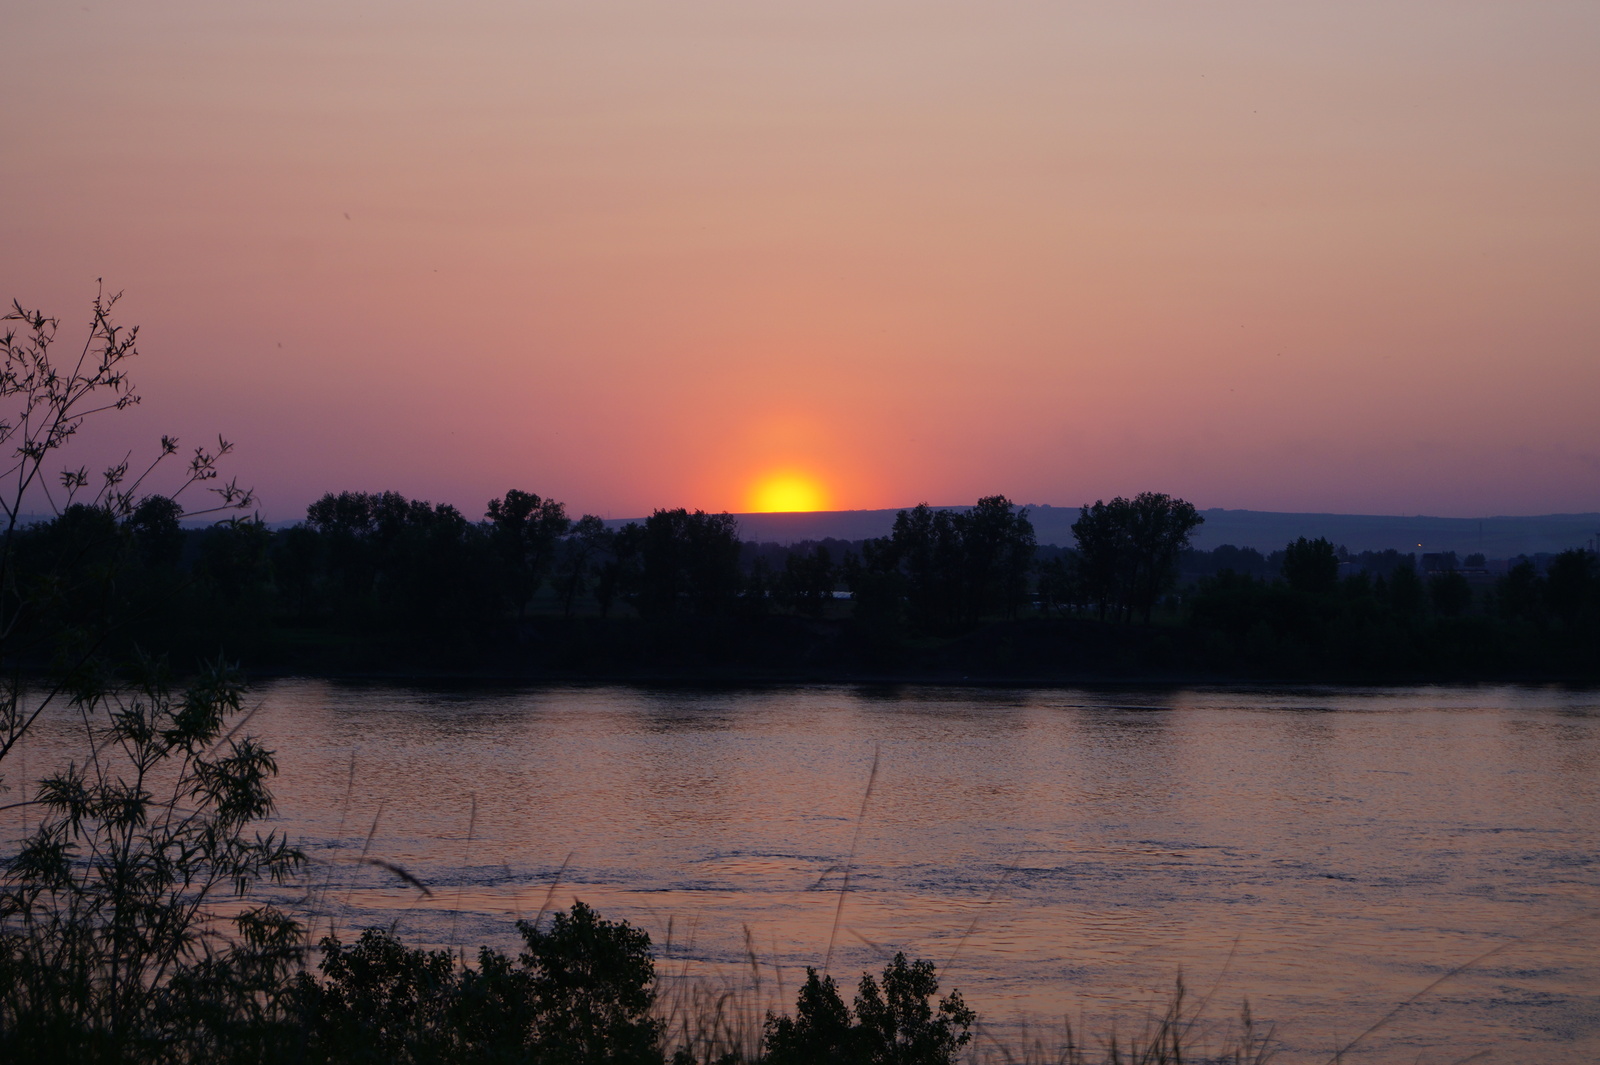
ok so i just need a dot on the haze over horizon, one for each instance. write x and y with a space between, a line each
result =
1326 258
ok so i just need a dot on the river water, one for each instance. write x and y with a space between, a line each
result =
1059 853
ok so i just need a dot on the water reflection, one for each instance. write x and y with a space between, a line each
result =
1326 852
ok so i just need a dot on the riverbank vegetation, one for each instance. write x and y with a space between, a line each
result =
376 582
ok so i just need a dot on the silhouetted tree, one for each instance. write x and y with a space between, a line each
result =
591 985
345 523
401 563
1311 566
1057 584
108 895
1519 595
997 547
689 560
617 575
950 568
157 534
582 553
760 588
233 557
1129 549
877 590
1194 564
1405 592
895 1023
1572 588
299 563
525 531
924 549
806 584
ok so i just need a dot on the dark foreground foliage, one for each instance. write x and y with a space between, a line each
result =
895 1024
581 991
123 930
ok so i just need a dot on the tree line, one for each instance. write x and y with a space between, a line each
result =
364 567
383 560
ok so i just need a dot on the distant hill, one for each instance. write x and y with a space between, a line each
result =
1264 530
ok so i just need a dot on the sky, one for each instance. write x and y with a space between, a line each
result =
1339 257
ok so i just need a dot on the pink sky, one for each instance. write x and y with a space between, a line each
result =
1332 257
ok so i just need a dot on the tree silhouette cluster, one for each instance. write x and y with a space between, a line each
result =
1129 551
943 570
1389 619
371 580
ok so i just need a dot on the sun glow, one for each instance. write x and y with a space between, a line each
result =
786 492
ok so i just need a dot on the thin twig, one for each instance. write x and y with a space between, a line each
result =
548 895
855 840
1339 1054
466 858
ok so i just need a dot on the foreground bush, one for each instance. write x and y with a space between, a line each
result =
894 1025
580 992
111 944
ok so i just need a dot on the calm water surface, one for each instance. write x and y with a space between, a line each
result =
1326 854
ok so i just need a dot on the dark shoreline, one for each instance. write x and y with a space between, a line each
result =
751 679
783 650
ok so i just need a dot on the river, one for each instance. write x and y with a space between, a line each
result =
1059 853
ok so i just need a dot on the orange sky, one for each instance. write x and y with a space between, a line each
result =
1301 257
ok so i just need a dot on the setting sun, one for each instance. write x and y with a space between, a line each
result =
786 492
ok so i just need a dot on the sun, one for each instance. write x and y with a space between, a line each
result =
786 492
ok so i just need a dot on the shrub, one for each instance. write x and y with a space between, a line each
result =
590 984
895 1024
580 994
111 946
